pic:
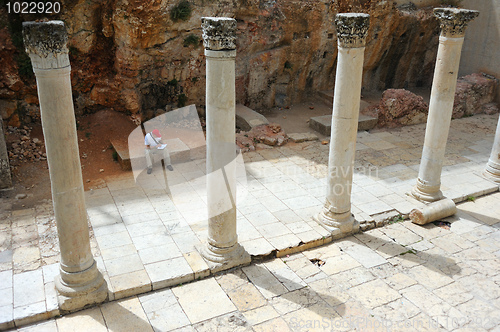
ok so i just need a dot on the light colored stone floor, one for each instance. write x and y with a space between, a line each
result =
402 277
144 239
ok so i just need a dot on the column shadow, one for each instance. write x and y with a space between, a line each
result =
308 294
435 262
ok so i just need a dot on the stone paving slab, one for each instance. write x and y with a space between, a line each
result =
427 289
144 235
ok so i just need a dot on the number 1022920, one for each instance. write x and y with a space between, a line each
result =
33 7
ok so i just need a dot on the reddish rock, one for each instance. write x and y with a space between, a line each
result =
399 107
491 108
31 99
131 100
472 94
14 121
106 94
7 108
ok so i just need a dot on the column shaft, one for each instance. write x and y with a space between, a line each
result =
336 215
221 152
439 118
344 128
222 250
453 24
79 283
492 170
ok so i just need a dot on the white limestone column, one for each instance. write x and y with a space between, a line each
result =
222 250
79 283
453 23
336 215
492 170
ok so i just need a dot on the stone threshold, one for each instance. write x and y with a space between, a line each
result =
135 284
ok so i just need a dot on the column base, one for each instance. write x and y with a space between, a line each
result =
75 296
338 224
219 259
426 193
492 171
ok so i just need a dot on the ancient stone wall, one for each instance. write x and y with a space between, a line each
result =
142 57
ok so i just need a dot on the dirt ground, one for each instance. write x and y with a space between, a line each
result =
96 156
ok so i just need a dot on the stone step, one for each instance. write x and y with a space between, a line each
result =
302 137
323 124
247 118
179 152
326 96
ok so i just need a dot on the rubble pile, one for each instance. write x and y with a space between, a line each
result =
23 148
271 134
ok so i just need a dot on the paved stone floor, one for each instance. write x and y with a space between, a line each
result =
144 238
401 277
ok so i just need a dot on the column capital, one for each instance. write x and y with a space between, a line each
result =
219 33
352 29
453 21
45 43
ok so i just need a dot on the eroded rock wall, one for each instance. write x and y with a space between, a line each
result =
132 56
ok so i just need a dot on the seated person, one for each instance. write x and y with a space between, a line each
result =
154 145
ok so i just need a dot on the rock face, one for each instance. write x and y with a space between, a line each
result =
138 56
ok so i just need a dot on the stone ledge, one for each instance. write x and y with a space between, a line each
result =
323 124
179 152
246 118
302 137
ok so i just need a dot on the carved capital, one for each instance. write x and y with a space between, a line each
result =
45 43
352 29
219 33
453 21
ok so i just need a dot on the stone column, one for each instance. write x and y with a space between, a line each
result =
336 215
5 176
492 170
79 283
453 24
222 250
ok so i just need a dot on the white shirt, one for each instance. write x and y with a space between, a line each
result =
149 140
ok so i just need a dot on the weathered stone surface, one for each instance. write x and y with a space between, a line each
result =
454 21
246 118
7 108
302 137
474 94
271 134
352 29
219 33
323 124
401 107
46 40
120 49
179 152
